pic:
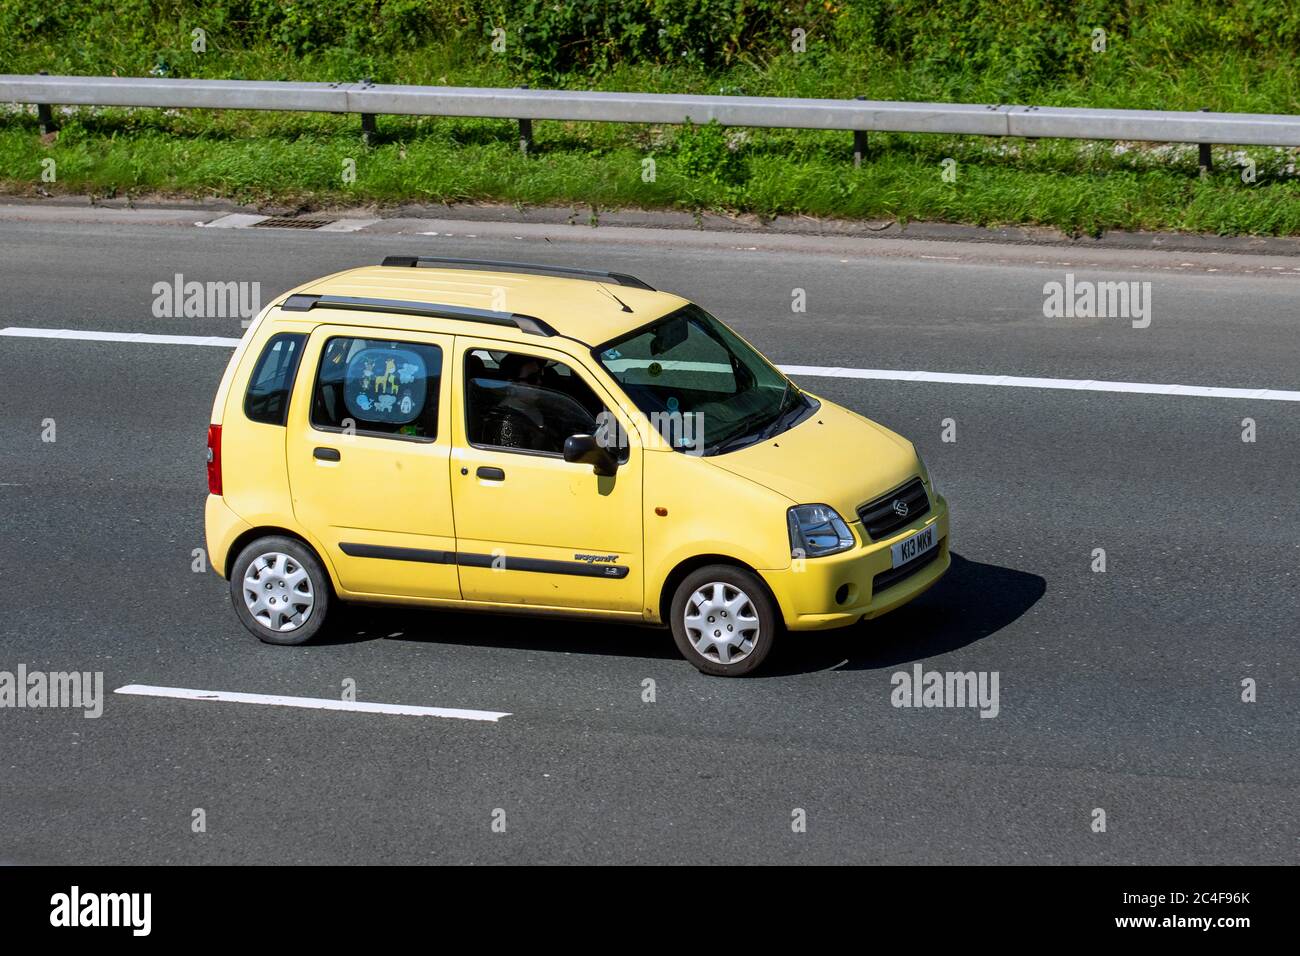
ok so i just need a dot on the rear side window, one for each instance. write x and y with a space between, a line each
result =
378 387
267 398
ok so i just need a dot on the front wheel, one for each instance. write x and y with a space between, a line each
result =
280 590
723 620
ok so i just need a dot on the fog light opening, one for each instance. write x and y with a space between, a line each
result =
846 594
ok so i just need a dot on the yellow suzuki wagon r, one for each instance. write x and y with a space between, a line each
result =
506 436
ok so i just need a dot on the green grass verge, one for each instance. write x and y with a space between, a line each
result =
298 159
1080 189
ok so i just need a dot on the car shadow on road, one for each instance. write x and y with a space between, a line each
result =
495 629
973 601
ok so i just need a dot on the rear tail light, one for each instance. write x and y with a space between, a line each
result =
214 459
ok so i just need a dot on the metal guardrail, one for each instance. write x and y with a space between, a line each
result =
525 105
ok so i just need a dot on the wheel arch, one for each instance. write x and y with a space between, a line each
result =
684 568
273 531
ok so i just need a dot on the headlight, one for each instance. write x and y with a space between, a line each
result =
818 530
928 476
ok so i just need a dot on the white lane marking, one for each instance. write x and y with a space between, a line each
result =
314 703
1071 384
144 338
812 371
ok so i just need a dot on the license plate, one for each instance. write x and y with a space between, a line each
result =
915 546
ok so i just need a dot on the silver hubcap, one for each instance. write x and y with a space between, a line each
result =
277 592
721 623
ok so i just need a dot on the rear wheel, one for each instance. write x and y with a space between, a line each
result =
280 590
723 620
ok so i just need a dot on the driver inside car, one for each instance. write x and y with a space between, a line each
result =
519 422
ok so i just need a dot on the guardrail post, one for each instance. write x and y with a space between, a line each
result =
859 142
43 114
369 131
1206 160
525 132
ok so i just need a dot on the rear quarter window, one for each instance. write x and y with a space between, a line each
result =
271 384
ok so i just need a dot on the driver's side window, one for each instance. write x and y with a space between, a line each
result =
526 403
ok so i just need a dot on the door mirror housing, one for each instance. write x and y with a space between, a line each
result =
585 450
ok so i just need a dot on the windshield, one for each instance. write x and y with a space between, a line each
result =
702 387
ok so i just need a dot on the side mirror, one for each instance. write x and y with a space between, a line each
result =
585 450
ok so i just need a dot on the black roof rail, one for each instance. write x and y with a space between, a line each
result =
525 323
618 277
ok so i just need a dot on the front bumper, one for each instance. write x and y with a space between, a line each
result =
835 591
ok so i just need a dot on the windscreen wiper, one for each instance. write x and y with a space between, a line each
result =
778 423
746 436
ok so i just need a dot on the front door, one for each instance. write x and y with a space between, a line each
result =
368 446
531 528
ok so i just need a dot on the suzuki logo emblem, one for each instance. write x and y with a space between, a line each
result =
900 507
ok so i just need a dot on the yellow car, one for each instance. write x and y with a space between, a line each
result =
505 436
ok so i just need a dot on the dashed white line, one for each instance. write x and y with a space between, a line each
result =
311 703
810 371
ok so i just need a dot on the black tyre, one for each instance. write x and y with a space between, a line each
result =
280 590
723 620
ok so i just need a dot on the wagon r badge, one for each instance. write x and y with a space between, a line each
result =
596 558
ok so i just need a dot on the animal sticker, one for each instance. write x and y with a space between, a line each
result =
386 385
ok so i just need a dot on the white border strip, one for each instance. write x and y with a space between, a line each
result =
812 371
346 225
236 220
313 703
143 338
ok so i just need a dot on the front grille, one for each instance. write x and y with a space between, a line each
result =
882 517
891 577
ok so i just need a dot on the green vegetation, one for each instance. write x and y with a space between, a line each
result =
1176 54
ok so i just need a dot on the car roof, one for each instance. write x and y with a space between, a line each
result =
582 309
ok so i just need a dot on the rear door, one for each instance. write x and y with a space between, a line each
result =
368 447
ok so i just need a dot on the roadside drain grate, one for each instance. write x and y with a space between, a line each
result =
291 222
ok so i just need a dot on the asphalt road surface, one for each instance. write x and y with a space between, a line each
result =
1120 691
